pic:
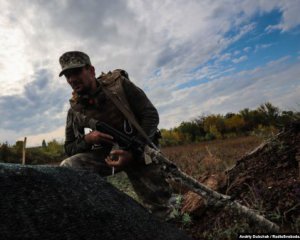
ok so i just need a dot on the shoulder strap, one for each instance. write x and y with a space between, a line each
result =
121 103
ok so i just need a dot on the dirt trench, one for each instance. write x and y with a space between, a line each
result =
266 180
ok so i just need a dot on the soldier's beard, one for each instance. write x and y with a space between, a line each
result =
83 87
80 88
81 92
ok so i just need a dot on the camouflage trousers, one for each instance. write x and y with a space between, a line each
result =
147 180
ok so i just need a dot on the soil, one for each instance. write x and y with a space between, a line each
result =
266 180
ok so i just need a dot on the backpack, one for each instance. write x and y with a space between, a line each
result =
111 83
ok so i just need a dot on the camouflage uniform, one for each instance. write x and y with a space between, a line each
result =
147 180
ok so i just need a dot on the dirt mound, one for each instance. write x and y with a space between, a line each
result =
266 180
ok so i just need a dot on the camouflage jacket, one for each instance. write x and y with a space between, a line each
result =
101 108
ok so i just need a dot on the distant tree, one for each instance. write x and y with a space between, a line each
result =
235 123
55 148
44 144
215 122
4 152
258 118
270 113
192 130
229 115
215 132
171 137
247 116
288 116
252 118
18 148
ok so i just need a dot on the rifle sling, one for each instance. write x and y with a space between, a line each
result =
128 114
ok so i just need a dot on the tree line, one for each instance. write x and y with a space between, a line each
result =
47 153
265 120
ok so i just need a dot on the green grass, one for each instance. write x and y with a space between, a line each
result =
121 181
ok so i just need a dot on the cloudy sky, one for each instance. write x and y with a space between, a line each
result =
191 57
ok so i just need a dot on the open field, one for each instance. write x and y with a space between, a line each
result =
212 156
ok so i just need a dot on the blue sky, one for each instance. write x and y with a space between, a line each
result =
260 46
255 49
190 57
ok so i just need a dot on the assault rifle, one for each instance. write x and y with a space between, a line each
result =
123 140
170 170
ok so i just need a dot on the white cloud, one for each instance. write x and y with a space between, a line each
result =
176 37
224 57
240 59
278 61
14 64
272 28
290 16
262 46
247 49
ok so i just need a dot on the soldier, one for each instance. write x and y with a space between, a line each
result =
92 96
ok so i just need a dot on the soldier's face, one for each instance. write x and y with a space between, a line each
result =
80 79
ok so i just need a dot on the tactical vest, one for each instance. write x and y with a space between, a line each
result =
101 107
